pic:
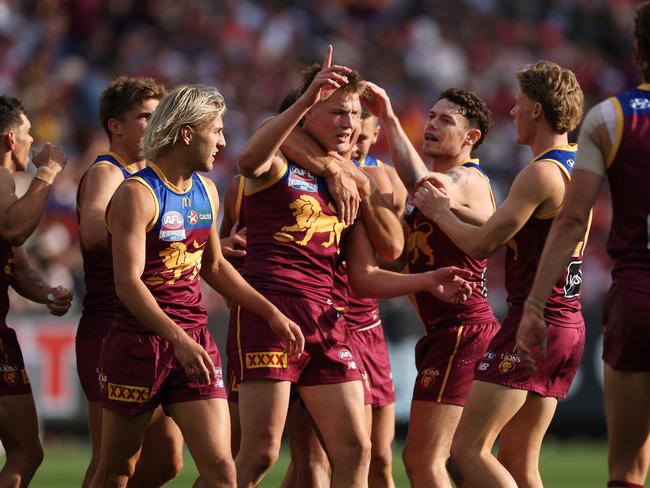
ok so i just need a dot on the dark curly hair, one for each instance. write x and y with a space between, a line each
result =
472 107
642 35
122 94
557 90
10 111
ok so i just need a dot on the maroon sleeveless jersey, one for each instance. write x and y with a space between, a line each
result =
240 219
6 273
100 294
525 249
628 170
293 236
175 241
428 249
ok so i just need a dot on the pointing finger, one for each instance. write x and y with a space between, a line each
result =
328 57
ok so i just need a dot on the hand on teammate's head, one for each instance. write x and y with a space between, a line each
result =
329 79
376 100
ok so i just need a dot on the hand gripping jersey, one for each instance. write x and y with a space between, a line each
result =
175 241
6 273
293 236
428 248
525 249
628 170
98 266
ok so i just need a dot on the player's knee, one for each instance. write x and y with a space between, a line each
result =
355 453
169 469
263 458
26 459
382 458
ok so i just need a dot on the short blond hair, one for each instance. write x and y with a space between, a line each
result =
557 90
191 105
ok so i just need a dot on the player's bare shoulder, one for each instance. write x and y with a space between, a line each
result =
100 178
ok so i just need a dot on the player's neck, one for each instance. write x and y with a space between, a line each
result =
177 174
546 139
444 164
128 159
7 162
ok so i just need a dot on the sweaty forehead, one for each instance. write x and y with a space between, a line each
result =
345 101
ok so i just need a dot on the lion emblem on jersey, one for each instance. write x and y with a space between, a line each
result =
178 259
311 220
417 243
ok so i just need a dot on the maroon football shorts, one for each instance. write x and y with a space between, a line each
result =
502 365
445 359
88 351
13 375
139 371
257 353
370 346
626 341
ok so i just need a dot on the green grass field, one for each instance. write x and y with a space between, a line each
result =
564 465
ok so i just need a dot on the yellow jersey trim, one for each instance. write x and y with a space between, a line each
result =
240 196
561 147
241 358
459 336
618 133
131 168
151 224
644 86
168 183
256 188
203 181
553 213
487 181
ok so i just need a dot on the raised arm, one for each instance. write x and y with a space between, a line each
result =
261 152
20 216
95 192
220 275
528 192
29 284
407 161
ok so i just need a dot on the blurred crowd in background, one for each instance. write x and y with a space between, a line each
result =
58 55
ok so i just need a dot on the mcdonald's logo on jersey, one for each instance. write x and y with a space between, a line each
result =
186 202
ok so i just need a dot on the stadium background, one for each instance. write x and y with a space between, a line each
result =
58 55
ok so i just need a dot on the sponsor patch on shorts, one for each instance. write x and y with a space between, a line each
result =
266 359
127 393
428 378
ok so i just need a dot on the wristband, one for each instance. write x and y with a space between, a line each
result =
46 174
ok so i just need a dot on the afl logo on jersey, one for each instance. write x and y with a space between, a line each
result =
640 104
192 217
172 228
301 179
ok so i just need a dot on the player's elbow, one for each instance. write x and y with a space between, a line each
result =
391 249
125 287
249 165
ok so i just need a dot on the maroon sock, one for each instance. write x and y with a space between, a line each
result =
623 484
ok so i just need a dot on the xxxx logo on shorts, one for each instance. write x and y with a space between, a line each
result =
126 393
270 359
428 377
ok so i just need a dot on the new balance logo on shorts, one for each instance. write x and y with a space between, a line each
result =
126 393
270 359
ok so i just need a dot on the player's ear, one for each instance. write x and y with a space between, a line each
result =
186 133
473 135
538 111
375 135
10 138
114 126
